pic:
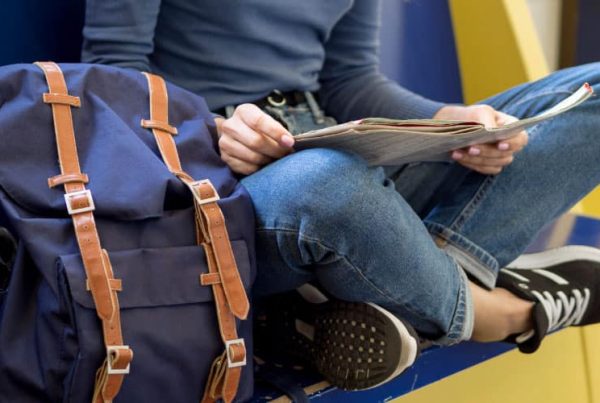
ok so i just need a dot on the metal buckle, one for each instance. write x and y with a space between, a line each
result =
109 369
199 200
275 103
87 194
230 363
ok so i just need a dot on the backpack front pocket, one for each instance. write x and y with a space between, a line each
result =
168 319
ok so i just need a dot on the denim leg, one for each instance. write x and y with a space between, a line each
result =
324 215
490 220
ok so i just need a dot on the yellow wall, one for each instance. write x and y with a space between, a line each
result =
554 374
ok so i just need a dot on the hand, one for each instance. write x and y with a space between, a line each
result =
488 158
251 139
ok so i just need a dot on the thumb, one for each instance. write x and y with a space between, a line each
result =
504 118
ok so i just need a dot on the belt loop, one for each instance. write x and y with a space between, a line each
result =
314 107
229 109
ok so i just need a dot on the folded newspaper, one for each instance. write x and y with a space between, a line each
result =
396 142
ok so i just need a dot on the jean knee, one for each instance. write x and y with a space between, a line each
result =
585 73
319 183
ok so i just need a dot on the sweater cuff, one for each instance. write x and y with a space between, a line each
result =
422 108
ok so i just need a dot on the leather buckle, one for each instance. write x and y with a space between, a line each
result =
230 362
110 352
76 210
194 186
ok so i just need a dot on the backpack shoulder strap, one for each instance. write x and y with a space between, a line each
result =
229 293
80 205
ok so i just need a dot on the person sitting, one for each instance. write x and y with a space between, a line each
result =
395 251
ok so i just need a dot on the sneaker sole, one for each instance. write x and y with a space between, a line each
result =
555 257
359 346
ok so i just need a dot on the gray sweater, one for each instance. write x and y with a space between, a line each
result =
235 51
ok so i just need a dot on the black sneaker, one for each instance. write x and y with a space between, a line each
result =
564 283
354 345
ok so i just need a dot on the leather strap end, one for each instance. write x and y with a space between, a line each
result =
240 308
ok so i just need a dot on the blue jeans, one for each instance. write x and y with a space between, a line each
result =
406 237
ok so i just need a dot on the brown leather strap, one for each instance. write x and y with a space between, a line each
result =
230 296
210 278
80 205
62 179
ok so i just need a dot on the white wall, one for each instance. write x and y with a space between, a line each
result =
547 17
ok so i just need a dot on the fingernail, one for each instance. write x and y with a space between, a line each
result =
503 146
457 155
474 151
287 140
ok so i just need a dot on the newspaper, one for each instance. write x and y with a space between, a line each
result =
396 142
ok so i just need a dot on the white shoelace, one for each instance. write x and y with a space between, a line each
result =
563 310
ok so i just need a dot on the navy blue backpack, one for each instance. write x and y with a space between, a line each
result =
135 248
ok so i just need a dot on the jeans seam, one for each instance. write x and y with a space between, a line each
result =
350 264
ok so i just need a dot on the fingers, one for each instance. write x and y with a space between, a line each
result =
485 114
504 118
514 144
260 122
486 170
251 139
491 158
229 146
239 166
483 161
237 130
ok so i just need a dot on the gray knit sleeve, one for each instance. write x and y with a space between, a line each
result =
351 85
120 32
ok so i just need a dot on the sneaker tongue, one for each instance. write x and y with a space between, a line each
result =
530 341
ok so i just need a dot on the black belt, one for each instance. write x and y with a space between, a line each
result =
276 99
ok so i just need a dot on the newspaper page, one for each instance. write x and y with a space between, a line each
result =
396 142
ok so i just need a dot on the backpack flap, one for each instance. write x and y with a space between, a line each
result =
127 177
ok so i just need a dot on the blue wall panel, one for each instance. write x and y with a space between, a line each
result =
588 35
417 48
40 30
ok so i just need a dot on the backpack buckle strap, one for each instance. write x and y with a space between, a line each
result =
230 300
118 359
110 375
224 379
79 202
96 263
236 353
204 196
214 221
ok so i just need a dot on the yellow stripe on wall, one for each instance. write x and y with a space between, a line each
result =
497 46
554 374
